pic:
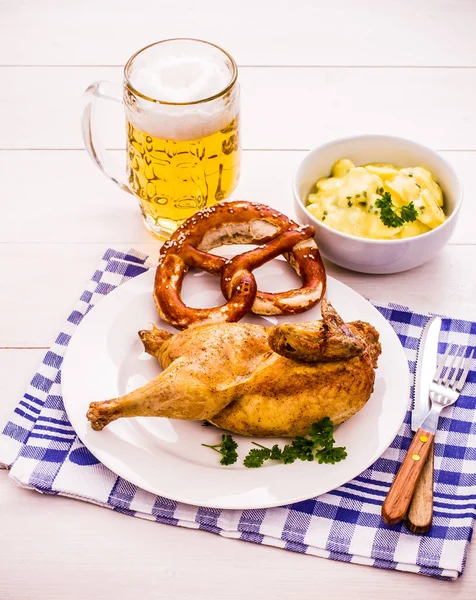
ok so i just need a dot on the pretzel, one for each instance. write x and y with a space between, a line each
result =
237 222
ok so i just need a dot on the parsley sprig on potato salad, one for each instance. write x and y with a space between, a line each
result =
395 216
319 445
378 201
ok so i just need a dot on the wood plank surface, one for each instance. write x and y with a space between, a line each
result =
284 32
310 70
282 108
72 550
51 548
43 281
81 205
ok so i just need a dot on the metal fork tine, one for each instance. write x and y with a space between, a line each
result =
444 378
457 366
445 371
441 366
461 381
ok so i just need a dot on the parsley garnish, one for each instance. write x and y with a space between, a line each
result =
319 445
256 456
227 448
389 212
331 455
322 433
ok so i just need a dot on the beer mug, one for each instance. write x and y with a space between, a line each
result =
181 100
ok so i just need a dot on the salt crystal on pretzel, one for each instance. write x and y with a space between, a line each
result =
238 222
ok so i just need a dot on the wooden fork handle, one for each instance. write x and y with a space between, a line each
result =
398 499
420 513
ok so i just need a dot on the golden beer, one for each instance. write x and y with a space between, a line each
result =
175 178
181 100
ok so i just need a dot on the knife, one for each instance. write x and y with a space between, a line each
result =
420 513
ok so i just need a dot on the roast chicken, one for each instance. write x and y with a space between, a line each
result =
255 380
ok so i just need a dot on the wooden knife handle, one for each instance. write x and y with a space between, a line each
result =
420 513
398 499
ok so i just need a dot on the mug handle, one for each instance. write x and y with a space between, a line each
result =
107 91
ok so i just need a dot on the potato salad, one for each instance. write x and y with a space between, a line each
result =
378 201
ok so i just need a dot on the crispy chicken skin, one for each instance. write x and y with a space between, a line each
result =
253 380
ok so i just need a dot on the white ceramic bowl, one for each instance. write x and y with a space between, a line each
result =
377 256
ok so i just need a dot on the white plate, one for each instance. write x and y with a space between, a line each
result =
165 456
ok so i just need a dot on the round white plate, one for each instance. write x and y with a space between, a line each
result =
105 359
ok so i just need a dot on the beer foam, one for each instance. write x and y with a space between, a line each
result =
181 79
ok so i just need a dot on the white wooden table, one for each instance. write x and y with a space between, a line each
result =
310 70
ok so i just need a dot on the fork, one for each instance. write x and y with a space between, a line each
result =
445 389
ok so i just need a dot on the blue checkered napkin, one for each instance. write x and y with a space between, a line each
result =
43 452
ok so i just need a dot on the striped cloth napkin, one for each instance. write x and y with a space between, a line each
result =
43 453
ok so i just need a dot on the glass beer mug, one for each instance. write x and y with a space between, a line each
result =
181 100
